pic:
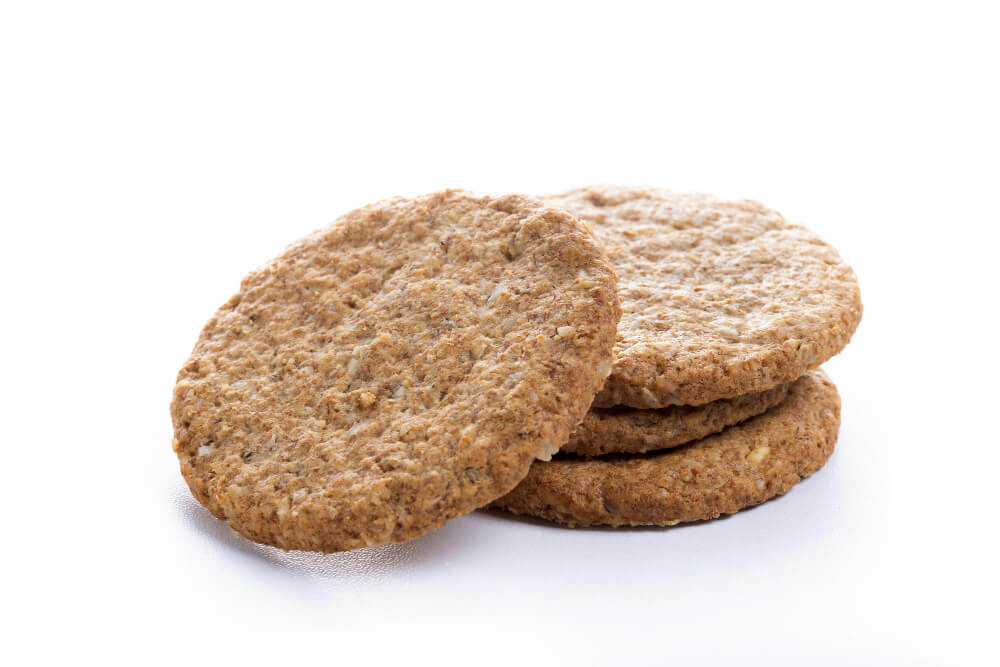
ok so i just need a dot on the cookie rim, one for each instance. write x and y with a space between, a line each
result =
609 431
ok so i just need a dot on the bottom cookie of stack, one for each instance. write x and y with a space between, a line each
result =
742 466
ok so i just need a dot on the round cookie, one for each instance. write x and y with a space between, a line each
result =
720 298
396 370
624 430
722 474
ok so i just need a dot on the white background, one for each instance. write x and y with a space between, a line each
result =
153 153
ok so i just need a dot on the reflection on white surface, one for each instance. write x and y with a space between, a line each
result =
483 535
370 564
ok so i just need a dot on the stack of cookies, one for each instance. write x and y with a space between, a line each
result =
425 357
727 309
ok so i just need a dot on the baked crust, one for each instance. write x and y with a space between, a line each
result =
396 370
720 298
742 466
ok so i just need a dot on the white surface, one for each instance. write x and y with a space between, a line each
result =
151 156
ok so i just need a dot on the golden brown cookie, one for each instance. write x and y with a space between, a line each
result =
724 473
720 298
396 370
624 430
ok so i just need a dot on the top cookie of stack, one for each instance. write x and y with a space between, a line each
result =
720 299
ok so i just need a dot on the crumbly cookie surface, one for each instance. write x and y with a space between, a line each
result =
722 474
720 298
398 369
622 430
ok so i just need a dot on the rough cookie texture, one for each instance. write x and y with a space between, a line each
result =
632 430
398 369
721 298
722 474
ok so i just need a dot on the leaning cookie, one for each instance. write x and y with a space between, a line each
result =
722 474
624 430
396 370
720 298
